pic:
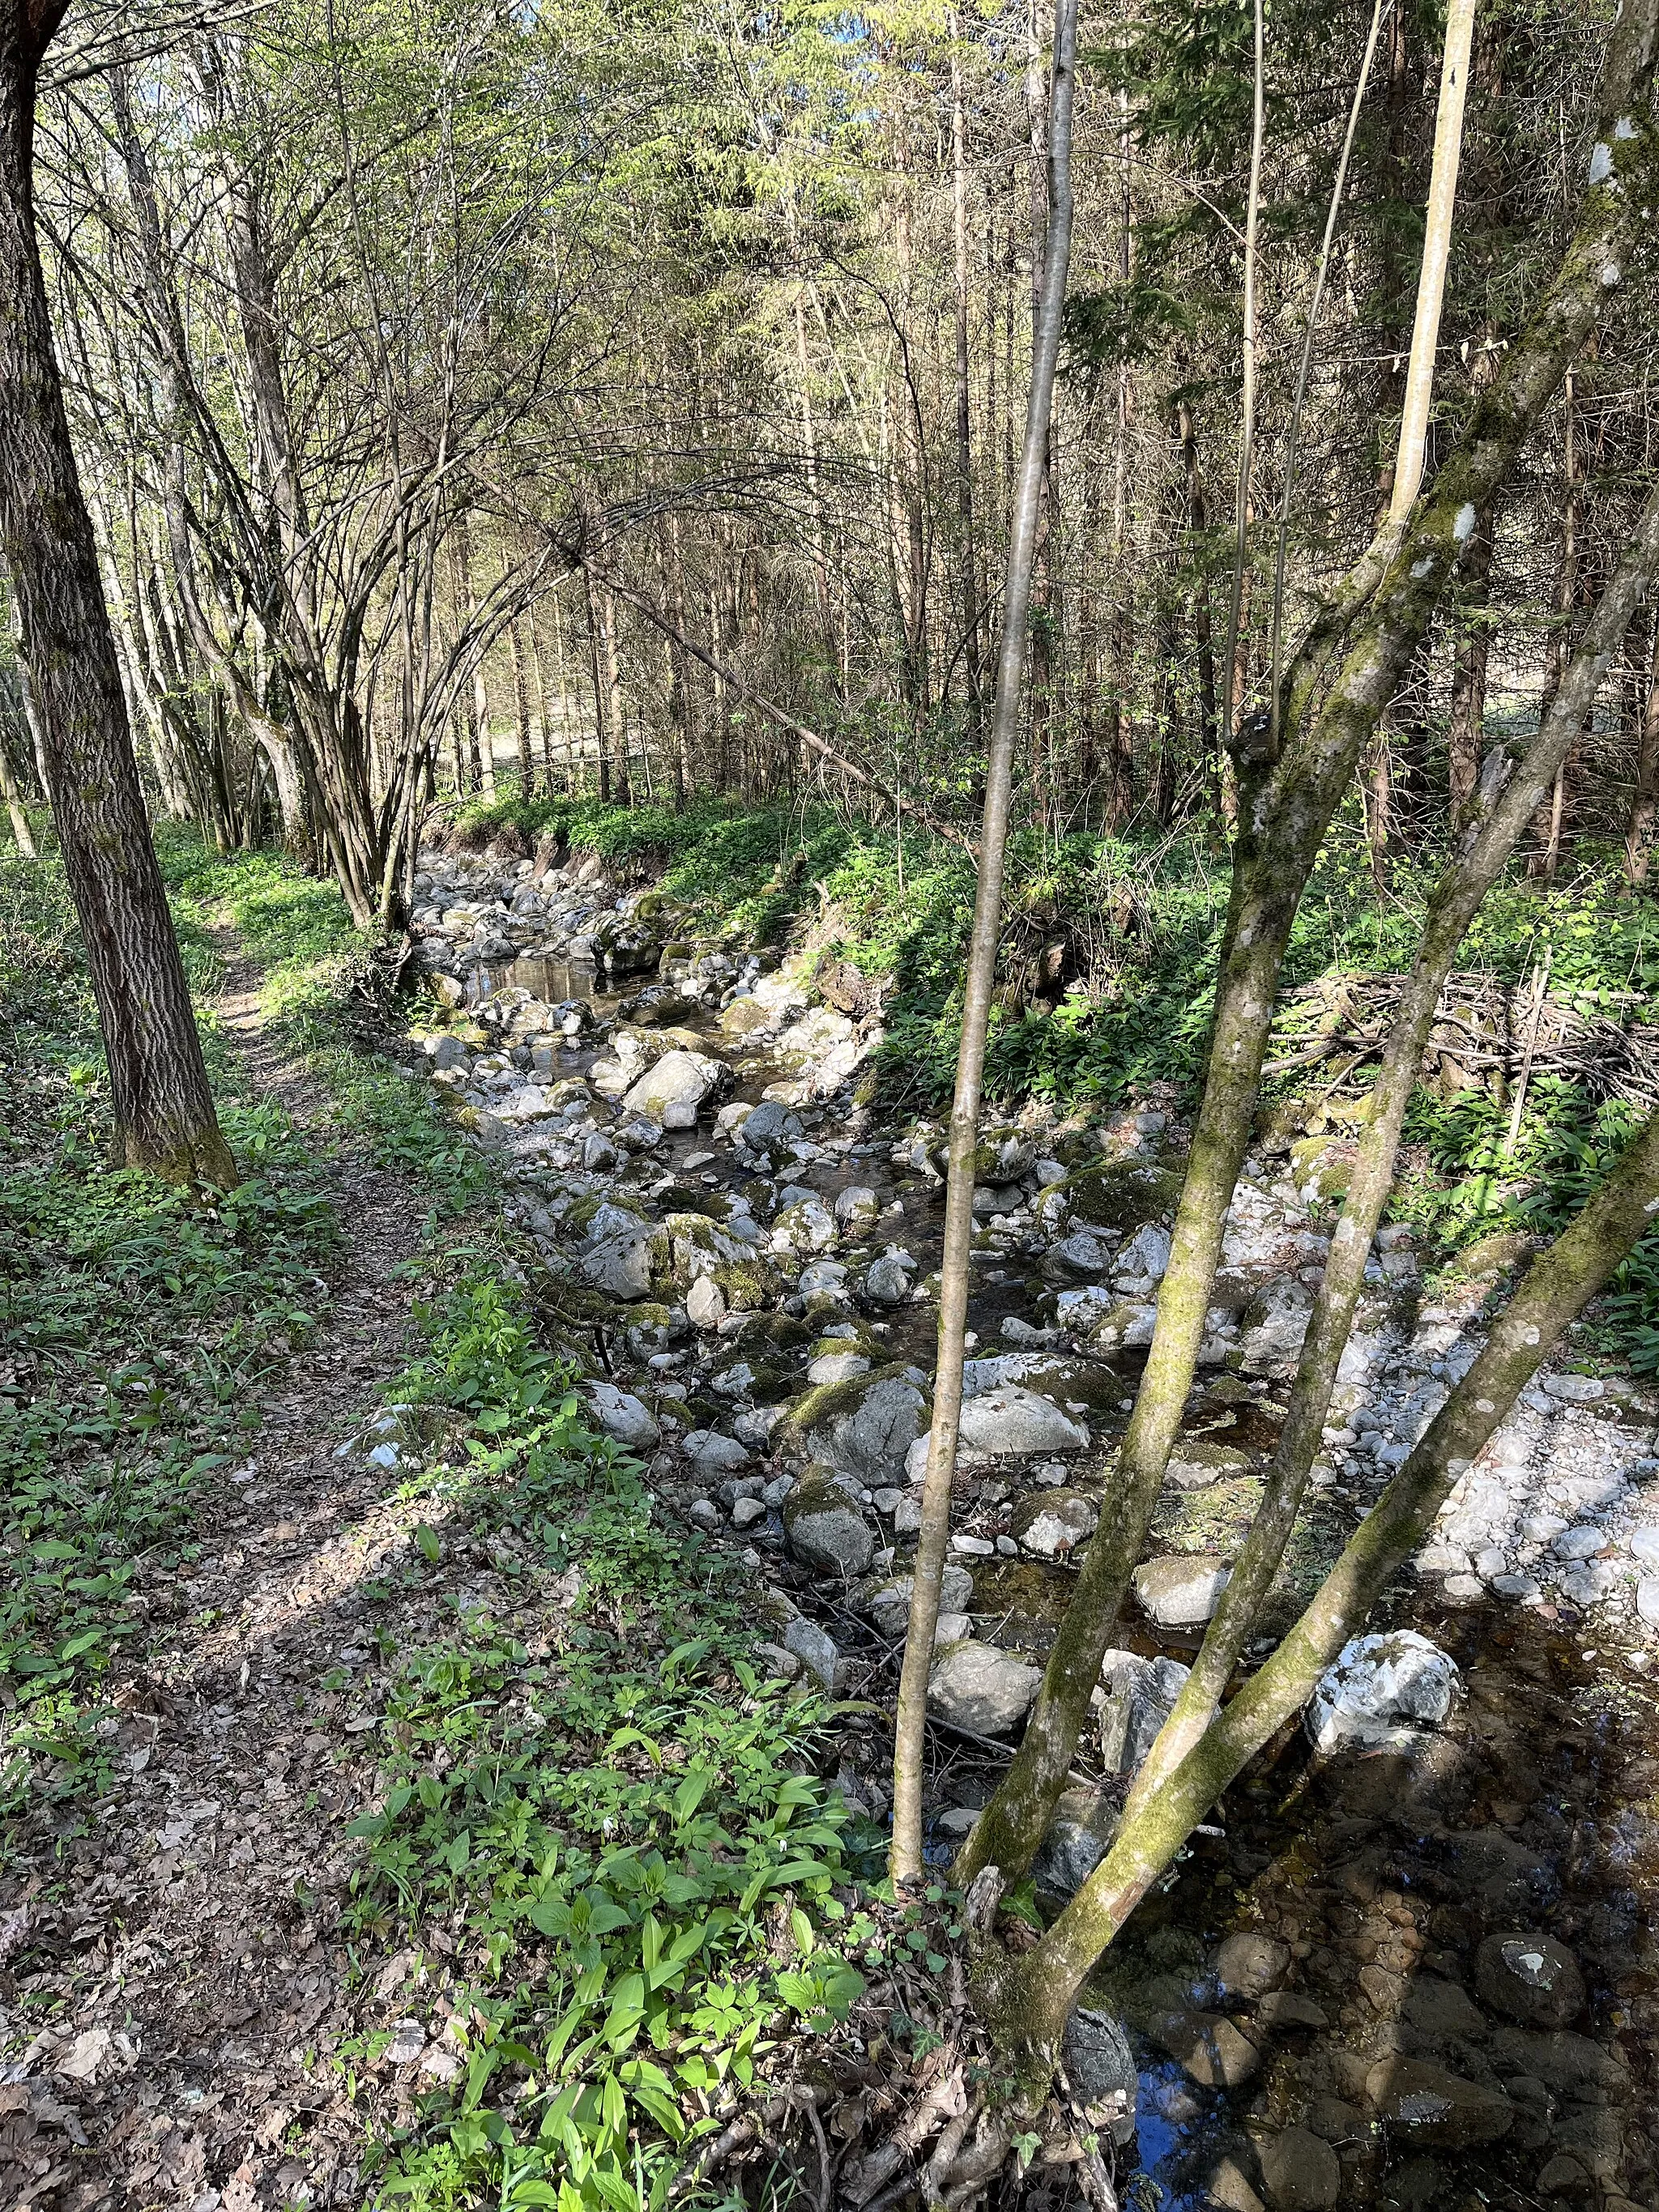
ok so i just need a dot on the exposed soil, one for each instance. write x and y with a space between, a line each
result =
190 1920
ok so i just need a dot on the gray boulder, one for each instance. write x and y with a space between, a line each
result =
621 1266
1382 1690
1075 1841
624 1417
1274 1323
1080 1258
671 1091
1054 1522
1013 1422
814 1647
976 1686
1140 1695
887 1281
825 1525
1183 1591
865 1427
1100 2066
889 1604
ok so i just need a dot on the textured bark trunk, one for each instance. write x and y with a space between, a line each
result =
1644 802
969 550
1469 698
905 1859
12 792
619 790
1376 619
521 710
162 1108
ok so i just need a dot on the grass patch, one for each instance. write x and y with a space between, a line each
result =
617 1840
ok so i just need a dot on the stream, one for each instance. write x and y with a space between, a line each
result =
1418 1973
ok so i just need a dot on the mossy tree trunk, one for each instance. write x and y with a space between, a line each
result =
1374 623
1032 2000
1457 898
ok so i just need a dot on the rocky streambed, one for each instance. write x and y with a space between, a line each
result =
1412 1963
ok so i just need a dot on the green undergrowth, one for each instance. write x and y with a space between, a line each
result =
1138 919
137 1329
602 1828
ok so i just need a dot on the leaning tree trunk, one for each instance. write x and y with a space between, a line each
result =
934 1535
1033 1999
1376 620
162 1108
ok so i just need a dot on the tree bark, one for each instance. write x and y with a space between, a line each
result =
934 1534
1644 802
163 1112
1034 1999
1376 618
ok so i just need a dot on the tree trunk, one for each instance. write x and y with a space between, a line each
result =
969 550
934 1535
1468 696
1377 617
1644 802
521 710
1034 1999
162 1109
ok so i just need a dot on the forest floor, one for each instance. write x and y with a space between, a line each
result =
194 1985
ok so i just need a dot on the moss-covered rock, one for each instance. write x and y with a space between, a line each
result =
825 1525
748 1285
864 1426
1112 1194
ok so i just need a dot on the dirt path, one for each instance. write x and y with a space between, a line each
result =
191 1916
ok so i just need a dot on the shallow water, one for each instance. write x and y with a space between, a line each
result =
552 979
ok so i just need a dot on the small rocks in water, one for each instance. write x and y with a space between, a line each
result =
825 1526
814 1647
626 1419
1182 1591
976 1686
1248 1965
1532 1977
1229 2189
1423 2103
1054 1523
1382 1690
1100 2066
1140 1695
705 1304
1300 2172
1013 1422
1207 2045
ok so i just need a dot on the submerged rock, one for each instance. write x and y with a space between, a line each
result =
1532 1977
1422 2103
1382 1690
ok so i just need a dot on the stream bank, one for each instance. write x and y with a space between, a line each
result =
742 1245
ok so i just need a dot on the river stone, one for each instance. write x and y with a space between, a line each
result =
1273 1324
1642 1544
1422 2103
1382 1690
624 1417
887 1281
1073 1845
865 1427
1300 2172
974 1685
815 1647
1146 1256
889 1603
1081 1258
771 1130
1532 1977
837 1367
712 1454
671 1091
1054 1522
856 1208
1100 2067
1183 1591
1010 1421
1246 1964
1206 2045
621 1266
825 1526
1580 1543
1128 1324
1140 1695
1198 1462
